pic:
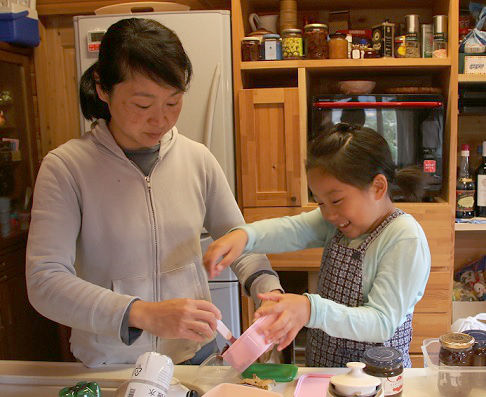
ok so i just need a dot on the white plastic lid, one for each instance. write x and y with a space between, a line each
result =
355 381
474 48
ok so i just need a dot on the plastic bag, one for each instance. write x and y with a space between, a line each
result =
476 36
464 324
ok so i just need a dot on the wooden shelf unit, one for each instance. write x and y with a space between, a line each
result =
313 77
472 78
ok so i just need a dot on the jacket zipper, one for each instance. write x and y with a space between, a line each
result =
149 188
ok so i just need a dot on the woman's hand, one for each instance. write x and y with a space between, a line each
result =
230 247
293 313
176 318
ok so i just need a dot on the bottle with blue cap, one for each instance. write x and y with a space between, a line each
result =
385 363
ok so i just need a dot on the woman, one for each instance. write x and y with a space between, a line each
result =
114 249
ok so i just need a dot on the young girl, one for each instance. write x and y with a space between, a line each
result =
376 260
114 246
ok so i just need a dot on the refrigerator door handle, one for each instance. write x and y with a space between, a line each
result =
213 96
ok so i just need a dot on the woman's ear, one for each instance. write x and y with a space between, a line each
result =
101 94
380 186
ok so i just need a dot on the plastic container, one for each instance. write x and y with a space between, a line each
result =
277 372
430 350
19 25
249 346
231 390
312 385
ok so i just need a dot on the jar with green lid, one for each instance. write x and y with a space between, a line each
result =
456 350
271 48
250 49
385 363
292 44
315 41
338 46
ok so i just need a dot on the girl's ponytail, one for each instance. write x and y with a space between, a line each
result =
411 182
91 105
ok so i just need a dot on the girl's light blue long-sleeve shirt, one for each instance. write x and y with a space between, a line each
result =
396 267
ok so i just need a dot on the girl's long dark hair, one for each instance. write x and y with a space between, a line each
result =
355 155
134 45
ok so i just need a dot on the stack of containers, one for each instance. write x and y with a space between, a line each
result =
19 23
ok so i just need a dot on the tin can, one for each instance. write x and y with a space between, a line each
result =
383 39
151 376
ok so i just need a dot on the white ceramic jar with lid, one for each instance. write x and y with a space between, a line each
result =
355 383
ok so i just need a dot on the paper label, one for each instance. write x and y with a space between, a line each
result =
481 190
393 385
474 65
465 200
430 166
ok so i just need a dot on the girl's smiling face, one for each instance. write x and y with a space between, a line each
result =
352 210
142 111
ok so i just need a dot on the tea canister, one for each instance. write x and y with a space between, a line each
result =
315 41
250 49
271 47
292 44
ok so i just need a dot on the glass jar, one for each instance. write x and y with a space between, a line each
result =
338 46
385 363
479 359
412 46
271 47
456 349
400 47
439 48
250 49
292 44
370 53
315 41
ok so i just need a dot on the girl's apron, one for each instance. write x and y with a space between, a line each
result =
341 280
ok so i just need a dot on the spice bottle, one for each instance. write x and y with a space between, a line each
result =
292 45
250 49
315 41
385 363
271 47
439 46
412 42
338 46
456 349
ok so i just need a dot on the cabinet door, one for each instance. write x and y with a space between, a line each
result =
270 147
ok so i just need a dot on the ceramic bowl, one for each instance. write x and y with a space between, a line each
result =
356 87
249 346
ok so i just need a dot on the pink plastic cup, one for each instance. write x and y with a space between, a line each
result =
249 346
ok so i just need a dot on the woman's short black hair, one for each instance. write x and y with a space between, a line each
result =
355 155
134 45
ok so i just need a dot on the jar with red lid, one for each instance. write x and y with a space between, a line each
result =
338 46
315 41
250 49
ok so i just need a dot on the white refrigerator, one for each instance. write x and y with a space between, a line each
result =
207 113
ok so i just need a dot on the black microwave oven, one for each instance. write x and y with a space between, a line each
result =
412 124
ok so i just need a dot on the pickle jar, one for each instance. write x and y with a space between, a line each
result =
456 350
292 44
250 49
385 363
271 47
315 41
338 46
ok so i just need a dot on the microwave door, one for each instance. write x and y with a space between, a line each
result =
406 138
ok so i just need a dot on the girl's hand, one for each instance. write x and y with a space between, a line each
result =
293 313
176 318
230 247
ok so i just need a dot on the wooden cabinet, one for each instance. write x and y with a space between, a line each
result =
270 150
24 334
317 77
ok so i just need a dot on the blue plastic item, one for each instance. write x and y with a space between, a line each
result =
18 28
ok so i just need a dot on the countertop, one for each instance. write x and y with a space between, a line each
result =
42 379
